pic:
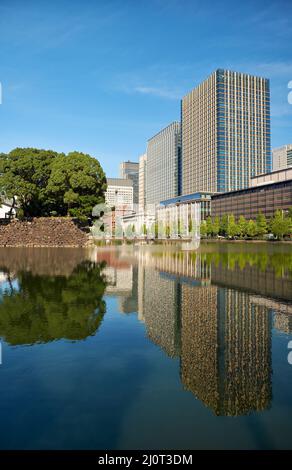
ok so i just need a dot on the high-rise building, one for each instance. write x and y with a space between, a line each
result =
142 181
163 171
282 157
119 193
225 132
130 170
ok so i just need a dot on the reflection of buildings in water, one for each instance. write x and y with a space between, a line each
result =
253 279
282 313
121 276
119 273
141 289
283 322
161 304
223 336
119 280
186 264
226 350
129 303
199 350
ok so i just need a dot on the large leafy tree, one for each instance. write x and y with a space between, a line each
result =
77 183
47 183
24 175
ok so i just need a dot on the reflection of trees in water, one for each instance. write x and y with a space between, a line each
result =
279 262
45 308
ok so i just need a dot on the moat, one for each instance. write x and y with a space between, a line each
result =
146 347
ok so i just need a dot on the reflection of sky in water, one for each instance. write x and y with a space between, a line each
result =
5 286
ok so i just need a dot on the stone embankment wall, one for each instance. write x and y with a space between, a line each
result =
43 231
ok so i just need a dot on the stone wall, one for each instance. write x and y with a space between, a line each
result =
43 231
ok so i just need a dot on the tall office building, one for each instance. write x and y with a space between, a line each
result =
282 157
142 181
225 132
130 170
163 171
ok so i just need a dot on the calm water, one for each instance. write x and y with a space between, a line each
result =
146 347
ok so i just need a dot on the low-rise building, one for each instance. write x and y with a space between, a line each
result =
7 210
181 216
119 194
139 224
268 192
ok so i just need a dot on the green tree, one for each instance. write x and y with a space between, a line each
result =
216 226
209 226
232 228
44 182
224 225
280 225
251 228
24 175
156 229
203 228
167 230
242 226
190 226
261 223
77 183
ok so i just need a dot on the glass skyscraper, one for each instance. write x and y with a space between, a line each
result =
225 132
163 170
130 170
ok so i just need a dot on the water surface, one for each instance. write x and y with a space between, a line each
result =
146 347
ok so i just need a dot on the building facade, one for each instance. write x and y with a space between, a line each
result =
163 171
142 181
267 198
273 177
179 219
119 194
225 132
130 170
282 157
203 200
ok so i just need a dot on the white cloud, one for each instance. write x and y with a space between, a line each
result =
159 92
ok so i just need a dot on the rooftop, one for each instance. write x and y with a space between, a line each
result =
119 182
187 197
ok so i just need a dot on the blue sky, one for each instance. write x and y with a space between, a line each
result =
103 76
